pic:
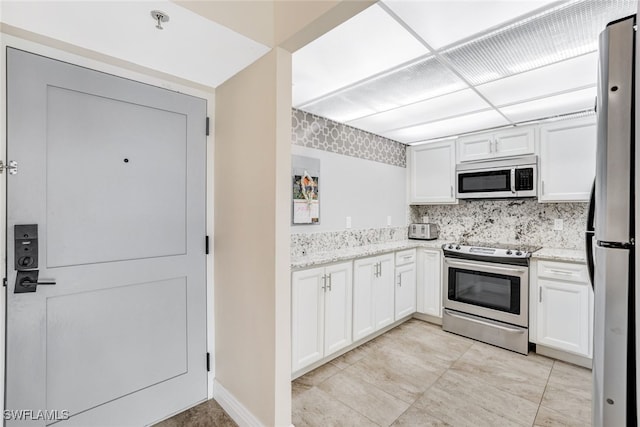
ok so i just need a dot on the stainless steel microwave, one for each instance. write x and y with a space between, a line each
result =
498 179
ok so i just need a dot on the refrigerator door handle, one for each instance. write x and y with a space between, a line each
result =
589 233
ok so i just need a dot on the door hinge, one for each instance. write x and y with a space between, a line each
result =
207 129
4 282
206 245
12 167
208 362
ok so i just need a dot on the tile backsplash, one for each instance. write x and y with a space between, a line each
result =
508 221
309 243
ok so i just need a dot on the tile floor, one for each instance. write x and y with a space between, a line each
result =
419 375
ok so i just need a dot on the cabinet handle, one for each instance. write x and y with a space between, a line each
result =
542 186
400 280
540 293
329 282
380 269
377 269
324 282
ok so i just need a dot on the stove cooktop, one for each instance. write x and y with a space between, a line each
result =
498 250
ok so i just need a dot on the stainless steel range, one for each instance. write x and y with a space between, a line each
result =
487 293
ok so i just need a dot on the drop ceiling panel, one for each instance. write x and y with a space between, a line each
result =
562 32
190 46
562 76
448 127
420 80
367 44
551 106
461 102
441 23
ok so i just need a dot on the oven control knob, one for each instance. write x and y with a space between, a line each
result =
458 247
518 253
509 252
450 247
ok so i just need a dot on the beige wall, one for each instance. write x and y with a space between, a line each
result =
252 302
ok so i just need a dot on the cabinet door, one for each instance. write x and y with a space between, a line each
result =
405 290
567 160
307 317
432 173
384 292
516 142
338 311
564 320
429 282
365 273
475 147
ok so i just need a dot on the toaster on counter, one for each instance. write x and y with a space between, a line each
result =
428 231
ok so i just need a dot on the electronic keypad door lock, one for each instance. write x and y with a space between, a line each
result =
26 258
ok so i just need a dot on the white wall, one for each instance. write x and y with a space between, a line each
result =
365 190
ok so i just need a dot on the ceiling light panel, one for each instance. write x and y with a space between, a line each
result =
559 33
367 44
440 23
424 79
574 73
449 127
461 102
579 100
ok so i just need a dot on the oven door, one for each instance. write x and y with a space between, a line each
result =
494 291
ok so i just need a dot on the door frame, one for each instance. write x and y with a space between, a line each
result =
7 40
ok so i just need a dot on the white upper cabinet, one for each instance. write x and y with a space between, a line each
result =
507 143
431 169
567 160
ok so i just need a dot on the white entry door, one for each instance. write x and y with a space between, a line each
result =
108 202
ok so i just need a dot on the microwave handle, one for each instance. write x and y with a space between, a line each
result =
513 180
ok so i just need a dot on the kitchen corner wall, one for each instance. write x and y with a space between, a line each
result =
362 176
508 221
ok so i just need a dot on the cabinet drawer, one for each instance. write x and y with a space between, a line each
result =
405 257
563 271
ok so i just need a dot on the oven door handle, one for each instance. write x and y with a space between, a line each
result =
483 323
492 267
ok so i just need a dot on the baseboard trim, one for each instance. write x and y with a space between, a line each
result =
236 410
428 318
585 362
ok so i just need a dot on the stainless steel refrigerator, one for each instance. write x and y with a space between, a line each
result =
610 237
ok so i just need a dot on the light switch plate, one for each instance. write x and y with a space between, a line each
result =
558 224
348 222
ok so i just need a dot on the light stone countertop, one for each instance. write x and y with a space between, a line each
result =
319 258
305 261
559 254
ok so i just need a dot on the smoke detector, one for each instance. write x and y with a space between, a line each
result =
159 17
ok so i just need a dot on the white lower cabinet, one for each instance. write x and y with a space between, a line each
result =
564 307
373 294
429 282
405 294
321 310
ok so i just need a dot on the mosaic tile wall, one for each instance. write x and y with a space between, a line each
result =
317 132
508 221
311 243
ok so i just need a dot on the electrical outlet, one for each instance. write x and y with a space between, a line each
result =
389 220
348 222
425 219
558 224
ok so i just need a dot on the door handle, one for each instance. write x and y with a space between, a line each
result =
27 281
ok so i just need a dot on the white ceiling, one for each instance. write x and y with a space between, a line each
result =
418 70
190 46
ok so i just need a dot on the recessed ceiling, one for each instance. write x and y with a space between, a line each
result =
454 67
190 46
